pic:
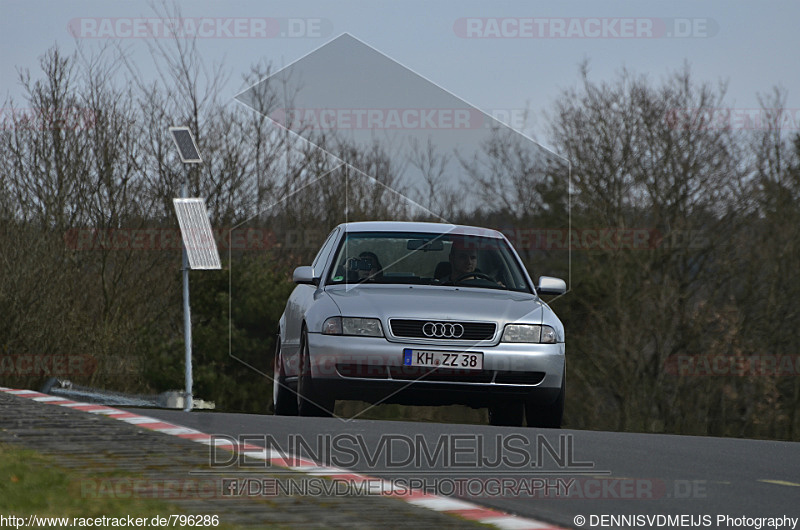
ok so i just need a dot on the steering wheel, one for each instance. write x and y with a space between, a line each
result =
476 275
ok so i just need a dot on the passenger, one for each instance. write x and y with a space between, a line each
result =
375 271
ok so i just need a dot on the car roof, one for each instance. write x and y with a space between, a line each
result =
406 226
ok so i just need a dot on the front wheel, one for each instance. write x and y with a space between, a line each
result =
309 401
506 414
284 401
547 416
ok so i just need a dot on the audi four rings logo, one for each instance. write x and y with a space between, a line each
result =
443 330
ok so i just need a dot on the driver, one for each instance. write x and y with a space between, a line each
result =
462 261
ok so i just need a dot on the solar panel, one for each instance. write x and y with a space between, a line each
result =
201 248
186 145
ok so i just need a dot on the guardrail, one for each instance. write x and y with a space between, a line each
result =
172 399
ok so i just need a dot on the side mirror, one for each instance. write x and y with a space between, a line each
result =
305 275
550 285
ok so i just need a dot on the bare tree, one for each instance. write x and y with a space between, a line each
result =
635 168
766 253
438 193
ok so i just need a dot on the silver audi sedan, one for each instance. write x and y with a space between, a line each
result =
421 314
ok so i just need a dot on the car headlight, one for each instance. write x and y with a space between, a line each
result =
361 327
529 333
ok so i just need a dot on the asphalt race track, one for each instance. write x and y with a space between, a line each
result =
550 475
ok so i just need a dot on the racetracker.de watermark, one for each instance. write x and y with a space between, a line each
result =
584 28
761 365
149 488
378 119
550 488
254 238
47 119
465 118
28 364
729 118
610 239
199 27
147 239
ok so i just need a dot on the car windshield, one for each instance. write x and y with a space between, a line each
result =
427 259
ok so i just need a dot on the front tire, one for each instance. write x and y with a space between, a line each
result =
284 401
309 401
547 416
508 414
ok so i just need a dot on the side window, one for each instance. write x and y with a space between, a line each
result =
319 261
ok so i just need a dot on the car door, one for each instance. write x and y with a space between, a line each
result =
300 301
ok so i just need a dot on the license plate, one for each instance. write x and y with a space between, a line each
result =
443 359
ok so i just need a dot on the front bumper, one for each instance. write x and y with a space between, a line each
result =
371 369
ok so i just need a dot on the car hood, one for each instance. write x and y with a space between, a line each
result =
439 303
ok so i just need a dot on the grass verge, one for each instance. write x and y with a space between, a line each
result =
34 484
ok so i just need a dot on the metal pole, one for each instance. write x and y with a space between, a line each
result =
187 319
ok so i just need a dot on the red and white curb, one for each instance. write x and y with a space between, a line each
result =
438 503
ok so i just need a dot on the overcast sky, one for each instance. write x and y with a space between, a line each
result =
495 55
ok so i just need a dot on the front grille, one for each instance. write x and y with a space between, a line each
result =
413 329
423 374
